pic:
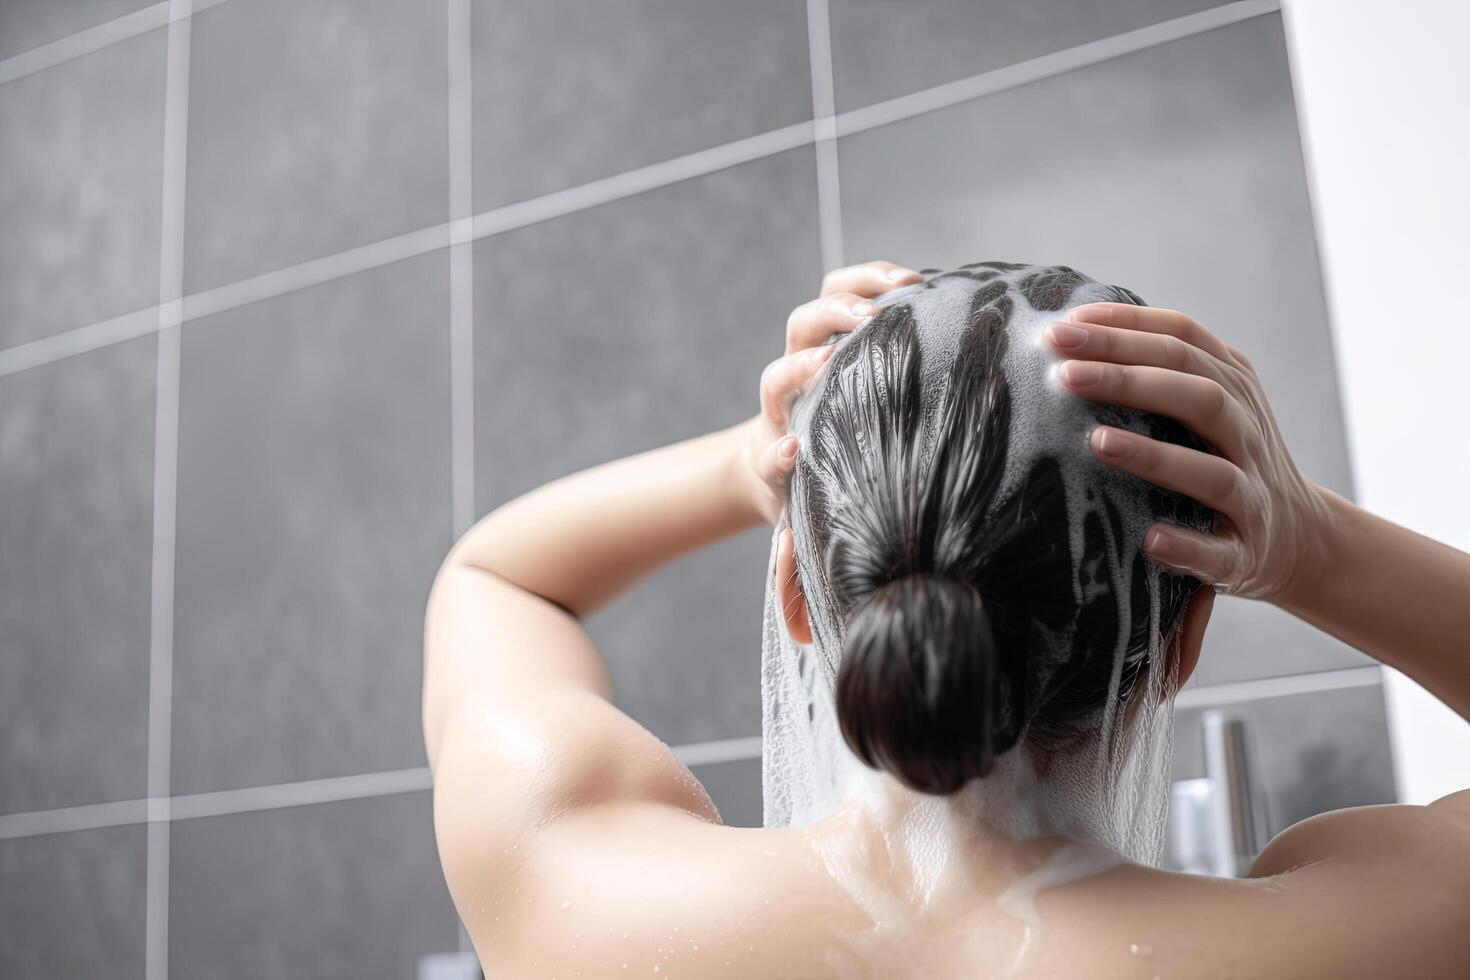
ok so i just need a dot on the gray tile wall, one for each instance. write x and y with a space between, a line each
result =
348 889
313 511
620 86
81 189
661 323
310 479
313 128
76 512
69 904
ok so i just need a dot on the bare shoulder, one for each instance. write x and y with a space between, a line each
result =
1384 839
506 771
595 847
1378 891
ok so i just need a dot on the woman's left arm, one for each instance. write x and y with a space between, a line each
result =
503 616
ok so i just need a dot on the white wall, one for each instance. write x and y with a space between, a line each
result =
1381 90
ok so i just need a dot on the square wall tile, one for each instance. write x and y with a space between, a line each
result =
27 24
76 544
886 48
1313 752
347 890
314 126
1248 639
1176 172
81 178
71 905
735 788
632 325
565 92
313 511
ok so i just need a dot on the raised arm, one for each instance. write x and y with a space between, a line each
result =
525 575
538 778
1396 595
1400 597
1364 892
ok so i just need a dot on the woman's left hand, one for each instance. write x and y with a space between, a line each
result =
767 456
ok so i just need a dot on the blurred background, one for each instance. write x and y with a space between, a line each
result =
291 291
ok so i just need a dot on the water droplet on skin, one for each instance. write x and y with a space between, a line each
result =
655 968
565 905
1139 949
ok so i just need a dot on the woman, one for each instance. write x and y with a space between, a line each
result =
574 843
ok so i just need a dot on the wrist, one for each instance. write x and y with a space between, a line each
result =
738 478
1327 537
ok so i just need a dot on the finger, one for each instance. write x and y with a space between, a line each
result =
1151 319
1211 559
786 377
776 464
868 279
1200 404
1217 483
811 323
1093 342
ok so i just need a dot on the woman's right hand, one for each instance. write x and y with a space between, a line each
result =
1270 537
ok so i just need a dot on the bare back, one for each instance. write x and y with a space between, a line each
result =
626 870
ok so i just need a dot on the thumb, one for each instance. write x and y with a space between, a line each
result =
776 463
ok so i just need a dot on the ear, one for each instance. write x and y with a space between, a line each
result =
1192 630
788 589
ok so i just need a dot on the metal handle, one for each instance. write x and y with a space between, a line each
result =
1217 824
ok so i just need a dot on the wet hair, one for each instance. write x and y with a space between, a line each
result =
970 627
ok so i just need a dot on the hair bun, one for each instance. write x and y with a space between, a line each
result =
919 693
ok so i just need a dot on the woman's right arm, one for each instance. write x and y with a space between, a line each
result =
1375 891
1396 595
1400 597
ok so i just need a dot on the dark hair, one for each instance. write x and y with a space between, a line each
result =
964 631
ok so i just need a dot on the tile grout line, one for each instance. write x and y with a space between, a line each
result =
1234 692
165 487
84 42
824 132
334 789
1048 65
217 803
461 270
557 204
461 303
92 39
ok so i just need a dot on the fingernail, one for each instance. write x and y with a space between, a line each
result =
1067 336
819 354
863 308
1159 544
787 449
1111 443
1081 374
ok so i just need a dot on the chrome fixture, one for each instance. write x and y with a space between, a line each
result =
1217 823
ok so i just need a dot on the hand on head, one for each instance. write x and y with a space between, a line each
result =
846 300
1266 543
